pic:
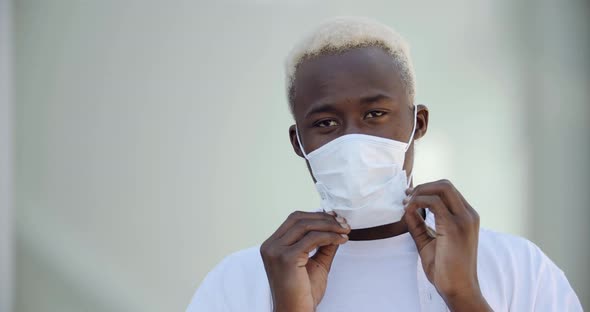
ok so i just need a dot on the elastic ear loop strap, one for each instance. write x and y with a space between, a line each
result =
429 230
410 142
299 141
414 127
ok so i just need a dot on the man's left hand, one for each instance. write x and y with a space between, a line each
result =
449 256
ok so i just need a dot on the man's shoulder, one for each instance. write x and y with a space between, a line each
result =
236 283
509 246
503 240
513 257
248 256
516 272
245 261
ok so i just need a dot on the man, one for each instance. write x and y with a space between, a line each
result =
376 244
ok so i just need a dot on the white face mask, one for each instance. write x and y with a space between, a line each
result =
361 177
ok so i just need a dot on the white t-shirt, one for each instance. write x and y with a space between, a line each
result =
386 275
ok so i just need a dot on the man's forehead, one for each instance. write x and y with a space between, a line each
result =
353 74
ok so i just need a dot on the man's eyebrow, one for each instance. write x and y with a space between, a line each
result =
329 107
374 98
320 108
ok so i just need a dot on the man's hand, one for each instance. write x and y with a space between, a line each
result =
449 256
298 282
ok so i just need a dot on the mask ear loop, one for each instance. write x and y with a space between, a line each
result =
411 176
322 192
299 141
413 128
429 230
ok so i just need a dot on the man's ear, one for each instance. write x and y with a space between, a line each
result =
294 141
421 121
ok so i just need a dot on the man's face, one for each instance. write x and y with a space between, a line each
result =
358 91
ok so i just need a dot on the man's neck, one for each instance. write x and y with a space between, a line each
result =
382 231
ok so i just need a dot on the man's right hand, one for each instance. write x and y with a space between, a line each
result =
297 281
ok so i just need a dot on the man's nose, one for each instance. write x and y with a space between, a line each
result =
353 126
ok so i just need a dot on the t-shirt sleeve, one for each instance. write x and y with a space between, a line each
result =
210 296
553 291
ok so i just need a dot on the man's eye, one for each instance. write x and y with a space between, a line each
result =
374 114
326 123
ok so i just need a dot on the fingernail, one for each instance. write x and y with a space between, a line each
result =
344 225
409 190
344 235
340 219
332 213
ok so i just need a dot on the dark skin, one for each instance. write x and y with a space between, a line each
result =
361 91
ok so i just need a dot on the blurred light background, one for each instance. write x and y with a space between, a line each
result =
148 139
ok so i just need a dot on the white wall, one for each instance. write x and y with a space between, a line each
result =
6 151
151 137
558 102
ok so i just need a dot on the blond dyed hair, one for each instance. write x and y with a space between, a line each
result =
341 34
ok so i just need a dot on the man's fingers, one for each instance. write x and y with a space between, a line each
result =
303 232
296 216
303 226
417 227
325 255
447 192
433 202
313 240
